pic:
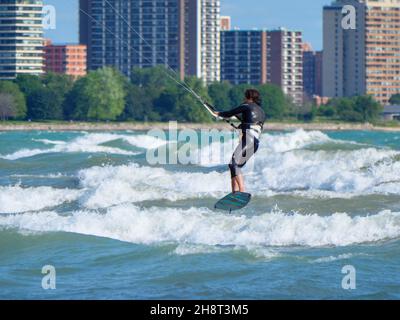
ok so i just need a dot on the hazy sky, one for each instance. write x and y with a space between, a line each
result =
305 15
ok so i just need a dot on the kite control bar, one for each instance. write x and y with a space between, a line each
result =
213 112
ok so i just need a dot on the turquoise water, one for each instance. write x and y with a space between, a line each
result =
115 227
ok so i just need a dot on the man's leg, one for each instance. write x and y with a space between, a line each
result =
240 183
247 148
235 186
234 166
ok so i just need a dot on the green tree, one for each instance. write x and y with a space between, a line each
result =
42 105
138 105
19 100
156 77
60 85
158 87
395 99
189 107
7 106
368 108
28 83
76 104
327 111
356 109
176 103
274 101
98 96
307 111
219 95
166 105
109 100
345 110
154 80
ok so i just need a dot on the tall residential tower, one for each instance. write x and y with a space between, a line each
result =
181 34
366 59
285 62
21 38
244 56
258 57
312 71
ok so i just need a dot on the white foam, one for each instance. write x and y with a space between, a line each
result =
261 252
47 141
264 253
186 249
303 173
218 153
88 143
294 140
41 176
334 258
15 199
144 141
107 186
283 165
25 153
355 172
204 227
91 143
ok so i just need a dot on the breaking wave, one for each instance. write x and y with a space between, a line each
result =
15 199
198 226
110 185
295 171
90 143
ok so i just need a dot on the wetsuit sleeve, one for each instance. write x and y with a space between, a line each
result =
233 112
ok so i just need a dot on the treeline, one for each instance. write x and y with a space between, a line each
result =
105 94
150 95
355 109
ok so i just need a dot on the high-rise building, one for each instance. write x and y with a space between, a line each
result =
225 23
318 73
312 71
21 38
285 62
257 57
67 59
244 56
308 70
181 34
364 59
202 39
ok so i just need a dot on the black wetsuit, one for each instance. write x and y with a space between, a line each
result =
252 117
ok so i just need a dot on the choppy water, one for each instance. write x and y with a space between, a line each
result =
115 227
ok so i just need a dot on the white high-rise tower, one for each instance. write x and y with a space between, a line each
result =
21 38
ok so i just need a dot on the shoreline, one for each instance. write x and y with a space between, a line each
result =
125 126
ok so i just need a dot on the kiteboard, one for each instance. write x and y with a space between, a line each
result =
233 201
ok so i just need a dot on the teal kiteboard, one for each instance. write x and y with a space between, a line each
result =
233 201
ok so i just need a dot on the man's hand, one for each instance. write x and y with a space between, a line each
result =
210 106
212 109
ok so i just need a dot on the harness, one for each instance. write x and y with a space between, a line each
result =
255 129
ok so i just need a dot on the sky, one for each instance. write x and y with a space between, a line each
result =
305 16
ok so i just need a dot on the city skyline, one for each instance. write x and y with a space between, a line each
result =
270 15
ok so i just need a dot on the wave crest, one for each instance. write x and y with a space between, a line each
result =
204 227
